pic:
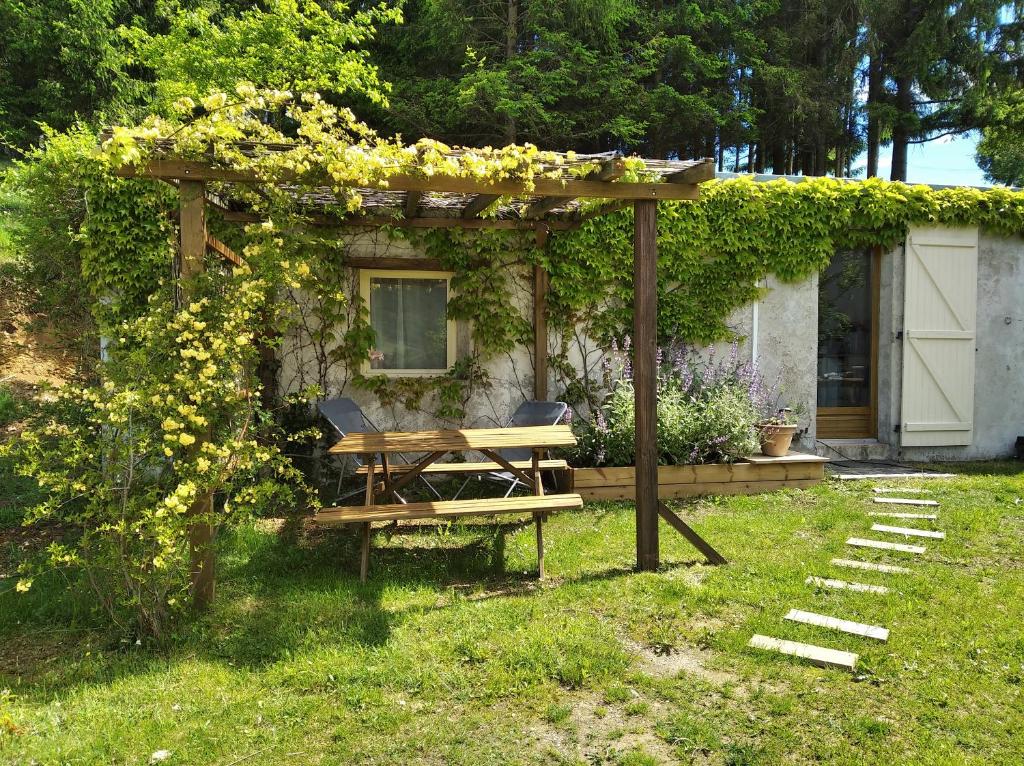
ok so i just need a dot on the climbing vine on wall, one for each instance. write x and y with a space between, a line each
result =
712 253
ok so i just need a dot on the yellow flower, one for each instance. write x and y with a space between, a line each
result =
186 439
241 340
168 451
202 465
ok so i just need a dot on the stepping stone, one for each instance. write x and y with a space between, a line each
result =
859 476
824 582
896 490
819 655
927 516
903 501
883 545
908 531
871 566
846 626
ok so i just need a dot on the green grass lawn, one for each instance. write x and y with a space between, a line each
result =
453 653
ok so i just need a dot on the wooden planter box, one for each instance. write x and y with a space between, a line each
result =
757 473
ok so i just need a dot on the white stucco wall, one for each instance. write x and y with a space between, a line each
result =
786 347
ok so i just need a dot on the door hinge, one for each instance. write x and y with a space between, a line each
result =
896 428
899 335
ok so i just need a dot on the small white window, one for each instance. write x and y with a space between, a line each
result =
409 316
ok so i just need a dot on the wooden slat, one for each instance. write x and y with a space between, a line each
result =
697 474
478 204
421 222
675 491
448 509
859 587
904 501
454 441
474 467
792 457
412 203
919 475
834 623
908 531
705 171
883 545
819 655
871 566
924 516
201 171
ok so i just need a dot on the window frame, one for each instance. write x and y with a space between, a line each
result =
365 278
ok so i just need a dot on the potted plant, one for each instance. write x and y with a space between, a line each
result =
776 433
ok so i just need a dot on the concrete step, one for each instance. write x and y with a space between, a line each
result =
855 449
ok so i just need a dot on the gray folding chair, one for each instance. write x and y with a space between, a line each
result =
529 413
345 417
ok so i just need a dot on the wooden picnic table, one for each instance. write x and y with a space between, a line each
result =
437 444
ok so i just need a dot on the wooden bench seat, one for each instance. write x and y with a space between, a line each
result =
538 505
448 509
473 467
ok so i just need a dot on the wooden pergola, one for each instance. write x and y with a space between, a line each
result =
557 199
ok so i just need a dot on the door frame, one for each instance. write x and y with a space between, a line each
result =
858 422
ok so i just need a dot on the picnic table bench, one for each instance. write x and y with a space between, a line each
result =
435 445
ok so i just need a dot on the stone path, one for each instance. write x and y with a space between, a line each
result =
833 658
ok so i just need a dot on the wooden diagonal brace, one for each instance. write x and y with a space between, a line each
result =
698 542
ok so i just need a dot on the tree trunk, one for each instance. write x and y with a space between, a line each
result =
902 127
876 92
511 43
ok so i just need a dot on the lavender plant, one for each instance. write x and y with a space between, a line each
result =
708 410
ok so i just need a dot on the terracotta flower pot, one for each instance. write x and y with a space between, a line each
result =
775 439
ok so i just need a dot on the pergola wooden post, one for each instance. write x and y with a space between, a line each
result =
191 263
540 323
645 393
548 203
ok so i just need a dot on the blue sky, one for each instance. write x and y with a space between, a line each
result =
947 160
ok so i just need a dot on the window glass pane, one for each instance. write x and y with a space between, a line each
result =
409 317
844 331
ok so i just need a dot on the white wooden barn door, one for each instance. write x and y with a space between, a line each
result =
940 307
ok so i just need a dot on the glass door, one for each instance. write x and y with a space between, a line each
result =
848 346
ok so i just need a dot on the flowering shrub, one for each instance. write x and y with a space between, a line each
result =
707 412
127 464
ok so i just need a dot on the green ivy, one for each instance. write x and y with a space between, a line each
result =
713 253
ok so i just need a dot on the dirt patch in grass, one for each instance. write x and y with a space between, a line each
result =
30 353
594 731
670 661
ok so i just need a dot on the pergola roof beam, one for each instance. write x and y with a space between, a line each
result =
567 189
478 204
695 174
610 170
